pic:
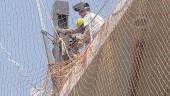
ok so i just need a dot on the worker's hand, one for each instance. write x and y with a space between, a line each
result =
80 44
79 38
60 39
63 31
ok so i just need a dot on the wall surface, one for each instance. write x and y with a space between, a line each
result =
135 59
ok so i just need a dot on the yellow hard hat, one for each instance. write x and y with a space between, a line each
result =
79 22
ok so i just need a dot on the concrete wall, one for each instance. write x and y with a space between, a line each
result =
135 59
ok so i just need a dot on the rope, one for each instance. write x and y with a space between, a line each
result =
99 11
64 43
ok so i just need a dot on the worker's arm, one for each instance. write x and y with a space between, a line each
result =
68 31
85 38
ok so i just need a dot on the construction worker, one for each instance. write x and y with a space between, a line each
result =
91 23
76 42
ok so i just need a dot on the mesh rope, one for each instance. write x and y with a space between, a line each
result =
134 60
128 57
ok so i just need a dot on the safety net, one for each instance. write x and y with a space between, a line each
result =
24 29
129 55
135 58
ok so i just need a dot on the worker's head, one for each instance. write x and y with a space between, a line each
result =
79 22
82 8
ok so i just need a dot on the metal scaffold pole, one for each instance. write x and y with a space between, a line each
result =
45 39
